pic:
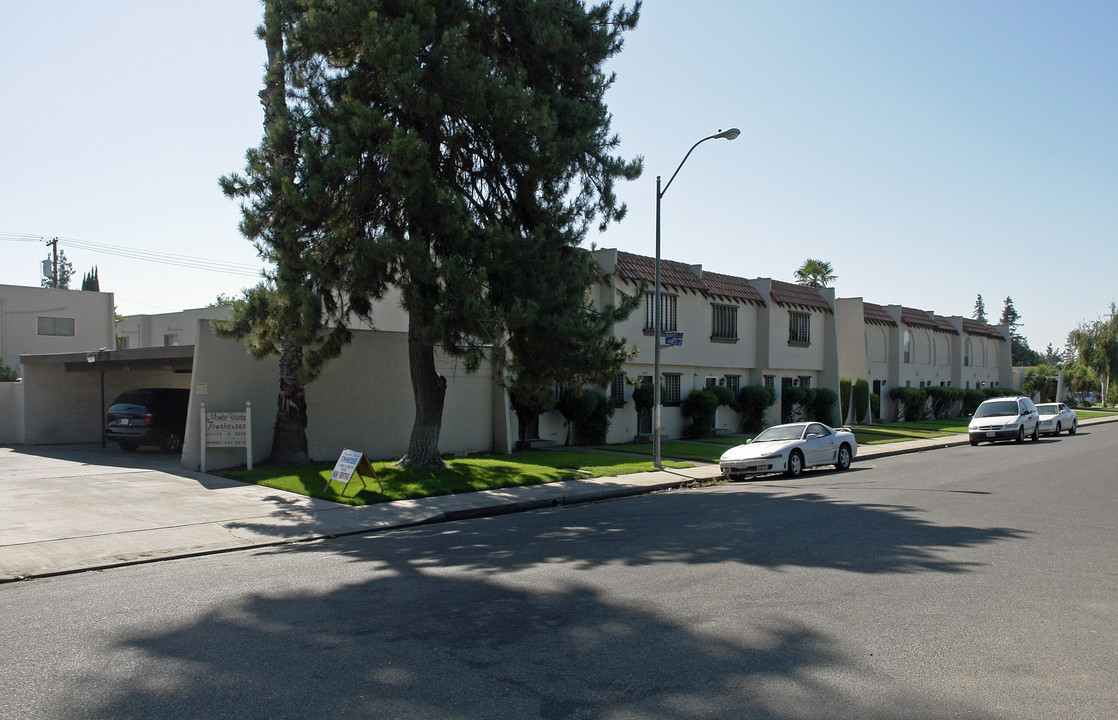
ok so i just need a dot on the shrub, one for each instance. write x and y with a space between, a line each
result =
798 400
700 406
992 392
7 374
754 400
821 405
971 400
861 400
943 399
844 396
725 396
911 401
875 406
642 395
588 414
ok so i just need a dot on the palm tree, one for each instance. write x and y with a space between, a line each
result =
815 273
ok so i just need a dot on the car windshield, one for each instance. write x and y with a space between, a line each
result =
999 408
781 432
1048 409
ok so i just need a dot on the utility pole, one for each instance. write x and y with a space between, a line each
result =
55 244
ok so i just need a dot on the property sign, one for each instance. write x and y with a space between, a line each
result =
673 338
350 463
227 429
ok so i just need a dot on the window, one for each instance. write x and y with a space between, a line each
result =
805 381
62 327
770 381
617 389
122 342
733 384
672 386
170 339
799 328
966 353
725 322
667 312
907 347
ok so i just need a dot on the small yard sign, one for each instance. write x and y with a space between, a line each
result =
350 463
226 430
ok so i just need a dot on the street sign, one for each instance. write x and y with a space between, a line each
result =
674 338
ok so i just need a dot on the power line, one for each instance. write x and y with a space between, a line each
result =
185 261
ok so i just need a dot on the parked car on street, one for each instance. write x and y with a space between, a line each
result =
1057 417
790 449
1004 418
148 416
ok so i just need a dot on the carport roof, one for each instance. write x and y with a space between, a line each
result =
175 357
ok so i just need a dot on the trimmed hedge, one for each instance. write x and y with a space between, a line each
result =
754 400
861 400
700 406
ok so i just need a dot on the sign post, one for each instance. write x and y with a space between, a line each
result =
350 463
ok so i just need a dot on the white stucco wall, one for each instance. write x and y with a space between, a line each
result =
11 413
21 307
362 400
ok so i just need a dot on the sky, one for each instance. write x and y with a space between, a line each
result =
931 151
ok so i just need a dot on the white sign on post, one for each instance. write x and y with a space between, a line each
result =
227 429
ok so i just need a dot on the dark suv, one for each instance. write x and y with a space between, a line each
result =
150 416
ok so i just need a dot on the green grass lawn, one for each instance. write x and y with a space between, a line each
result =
707 451
467 474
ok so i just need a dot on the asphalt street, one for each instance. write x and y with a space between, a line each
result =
970 583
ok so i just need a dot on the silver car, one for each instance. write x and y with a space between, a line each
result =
1055 418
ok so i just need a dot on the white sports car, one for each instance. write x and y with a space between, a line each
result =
1055 418
791 449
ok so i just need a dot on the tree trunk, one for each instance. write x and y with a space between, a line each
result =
429 389
289 441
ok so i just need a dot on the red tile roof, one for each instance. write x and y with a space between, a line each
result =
973 327
681 276
784 293
877 315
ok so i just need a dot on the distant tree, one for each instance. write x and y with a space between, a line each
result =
1010 316
1023 355
1096 346
1052 356
7 374
90 281
815 273
980 311
63 272
222 300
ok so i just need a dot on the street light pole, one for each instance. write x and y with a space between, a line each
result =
657 310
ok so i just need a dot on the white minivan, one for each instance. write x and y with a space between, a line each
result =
1004 418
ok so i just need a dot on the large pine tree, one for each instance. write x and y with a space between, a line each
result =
461 149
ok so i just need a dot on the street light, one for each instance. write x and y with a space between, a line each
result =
722 134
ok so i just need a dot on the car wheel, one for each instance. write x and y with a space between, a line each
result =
1036 433
1071 430
843 462
128 446
1020 435
795 464
974 442
171 442
1059 429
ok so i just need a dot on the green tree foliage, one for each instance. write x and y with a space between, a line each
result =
1022 354
588 414
1040 381
461 150
1096 346
7 374
754 401
90 282
700 406
815 273
821 405
979 313
861 400
64 272
911 403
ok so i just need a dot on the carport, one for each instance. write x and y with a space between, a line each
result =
65 394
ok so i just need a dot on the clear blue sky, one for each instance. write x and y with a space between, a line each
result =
930 150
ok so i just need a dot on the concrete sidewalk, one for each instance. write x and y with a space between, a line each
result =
74 508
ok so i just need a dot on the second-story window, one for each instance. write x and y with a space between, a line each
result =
907 347
725 322
58 326
799 328
667 312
